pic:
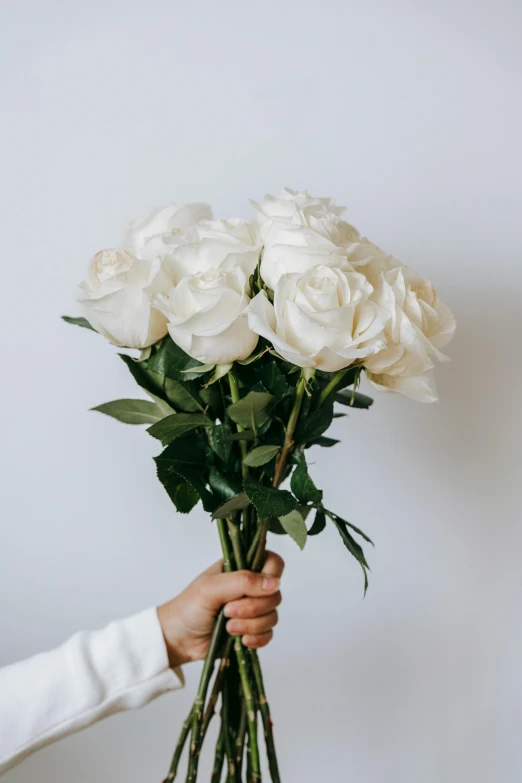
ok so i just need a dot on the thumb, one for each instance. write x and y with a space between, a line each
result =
219 589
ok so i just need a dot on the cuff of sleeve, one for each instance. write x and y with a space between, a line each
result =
145 638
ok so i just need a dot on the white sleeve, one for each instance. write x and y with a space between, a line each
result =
93 675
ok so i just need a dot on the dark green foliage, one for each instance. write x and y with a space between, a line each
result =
324 442
312 426
302 485
177 425
253 410
227 454
225 485
319 523
267 372
294 524
185 461
236 503
171 362
132 411
83 322
354 399
219 438
151 382
350 543
182 396
268 501
260 456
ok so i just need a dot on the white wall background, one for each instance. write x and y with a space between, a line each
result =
410 113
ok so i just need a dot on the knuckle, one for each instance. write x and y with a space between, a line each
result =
263 639
247 580
246 608
277 560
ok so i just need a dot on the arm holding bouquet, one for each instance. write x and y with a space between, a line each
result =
130 662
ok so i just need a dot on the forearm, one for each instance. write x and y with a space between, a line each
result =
91 676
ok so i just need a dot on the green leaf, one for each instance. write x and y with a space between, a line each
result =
353 399
163 407
131 411
246 435
183 496
275 526
302 485
220 370
237 503
253 410
351 544
273 379
354 528
260 456
324 442
172 362
319 523
185 461
83 322
312 427
254 357
179 395
294 525
151 382
224 485
177 425
269 501
219 443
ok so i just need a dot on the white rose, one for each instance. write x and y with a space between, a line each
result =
206 316
297 208
153 236
369 259
421 388
324 318
215 244
419 326
299 232
116 298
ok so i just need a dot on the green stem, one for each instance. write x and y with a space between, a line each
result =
250 705
332 384
199 704
231 759
240 739
266 718
218 684
258 676
289 434
241 656
219 757
185 731
234 393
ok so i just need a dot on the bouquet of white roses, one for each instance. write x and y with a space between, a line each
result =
249 334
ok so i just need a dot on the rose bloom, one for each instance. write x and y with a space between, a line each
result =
206 315
300 231
215 244
418 327
155 235
116 298
324 318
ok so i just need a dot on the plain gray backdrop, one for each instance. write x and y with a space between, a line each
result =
409 112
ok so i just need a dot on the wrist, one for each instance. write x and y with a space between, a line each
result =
176 649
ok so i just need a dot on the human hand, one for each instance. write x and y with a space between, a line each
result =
249 599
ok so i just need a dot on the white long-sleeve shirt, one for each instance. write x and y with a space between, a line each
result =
93 675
